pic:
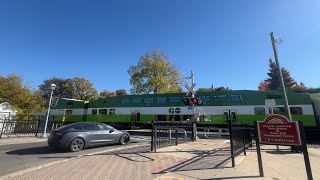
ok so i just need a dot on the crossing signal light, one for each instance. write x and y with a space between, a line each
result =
197 101
186 102
193 101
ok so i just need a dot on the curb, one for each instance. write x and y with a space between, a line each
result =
11 175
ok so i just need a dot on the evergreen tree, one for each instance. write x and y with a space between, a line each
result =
274 78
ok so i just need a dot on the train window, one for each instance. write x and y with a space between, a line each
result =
112 111
94 111
68 112
279 110
233 116
124 101
103 111
205 98
148 100
296 110
161 100
236 98
259 111
136 100
220 98
161 118
174 99
226 116
272 96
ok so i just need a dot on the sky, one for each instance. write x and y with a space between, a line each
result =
225 43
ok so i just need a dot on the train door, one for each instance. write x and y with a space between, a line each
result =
174 118
135 118
230 114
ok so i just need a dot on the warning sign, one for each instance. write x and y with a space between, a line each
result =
278 130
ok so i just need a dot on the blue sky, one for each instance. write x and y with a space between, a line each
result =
225 43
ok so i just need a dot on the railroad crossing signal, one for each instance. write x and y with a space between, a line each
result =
190 89
193 101
270 102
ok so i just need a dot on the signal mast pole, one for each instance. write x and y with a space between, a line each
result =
192 82
275 51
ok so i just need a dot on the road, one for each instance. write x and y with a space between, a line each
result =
18 157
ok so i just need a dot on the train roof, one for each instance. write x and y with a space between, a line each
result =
232 97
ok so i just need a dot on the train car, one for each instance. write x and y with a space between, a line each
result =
70 110
244 106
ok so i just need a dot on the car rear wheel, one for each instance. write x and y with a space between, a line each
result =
76 145
124 139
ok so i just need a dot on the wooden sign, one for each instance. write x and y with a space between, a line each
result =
278 130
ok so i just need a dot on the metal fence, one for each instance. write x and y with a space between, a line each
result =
171 133
240 139
312 135
23 127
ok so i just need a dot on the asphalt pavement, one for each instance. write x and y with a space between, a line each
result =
16 157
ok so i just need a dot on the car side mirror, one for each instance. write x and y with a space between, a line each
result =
111 130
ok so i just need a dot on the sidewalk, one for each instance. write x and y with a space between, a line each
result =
21 140
204 159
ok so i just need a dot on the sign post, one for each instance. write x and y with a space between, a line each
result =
279 130
270 103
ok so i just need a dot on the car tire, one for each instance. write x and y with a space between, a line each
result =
124 139
76 144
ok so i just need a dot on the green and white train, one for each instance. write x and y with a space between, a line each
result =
245 106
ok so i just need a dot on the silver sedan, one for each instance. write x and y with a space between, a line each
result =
77 136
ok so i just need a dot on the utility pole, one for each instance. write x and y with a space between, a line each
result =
275 51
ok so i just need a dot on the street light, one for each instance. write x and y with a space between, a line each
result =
52 87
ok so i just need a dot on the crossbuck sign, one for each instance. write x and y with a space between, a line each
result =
190 89
270 102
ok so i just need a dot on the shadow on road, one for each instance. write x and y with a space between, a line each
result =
47 150
34 150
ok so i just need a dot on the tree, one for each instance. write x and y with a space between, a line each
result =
121 92
314 90
264 85
222 88
23 99
274 78
205 90
105 93
63 88
82 89
76 88
154 74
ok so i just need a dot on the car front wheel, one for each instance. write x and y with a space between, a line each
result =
76 145
124 139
